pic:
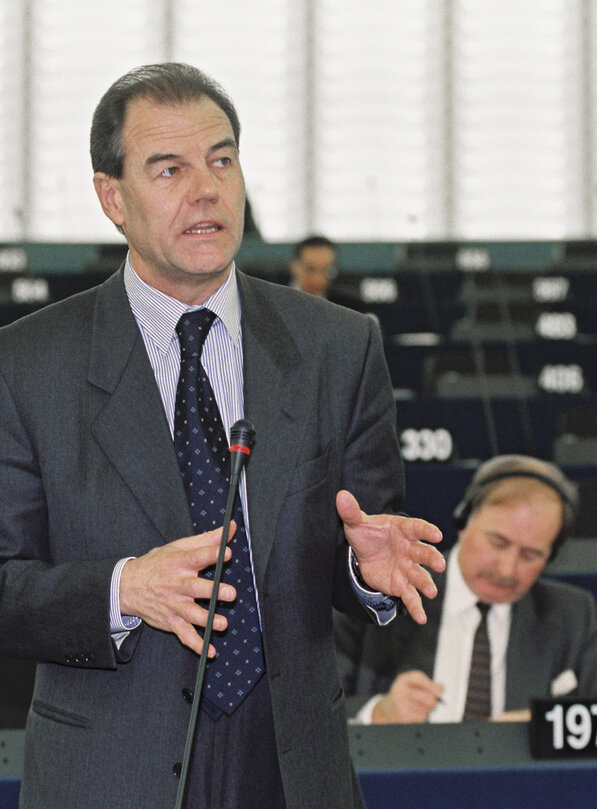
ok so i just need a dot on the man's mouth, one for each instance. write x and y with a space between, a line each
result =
204 228
503 583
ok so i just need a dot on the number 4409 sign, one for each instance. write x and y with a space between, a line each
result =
563 727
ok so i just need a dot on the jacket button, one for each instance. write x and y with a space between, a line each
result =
177 769
187 694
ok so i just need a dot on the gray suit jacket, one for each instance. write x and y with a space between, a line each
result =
88 475
553 629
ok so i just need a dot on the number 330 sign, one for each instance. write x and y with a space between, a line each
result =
563 727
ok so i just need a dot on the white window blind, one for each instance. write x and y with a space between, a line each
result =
11 121
392 120
517 130
588 159
77 50
378 119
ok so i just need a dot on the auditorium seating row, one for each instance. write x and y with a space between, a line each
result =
423 365
463 393
440 430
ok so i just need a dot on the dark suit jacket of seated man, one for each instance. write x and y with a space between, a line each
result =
543 633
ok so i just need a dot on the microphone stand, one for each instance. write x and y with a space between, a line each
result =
242 440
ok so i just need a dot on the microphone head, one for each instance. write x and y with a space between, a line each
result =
242 437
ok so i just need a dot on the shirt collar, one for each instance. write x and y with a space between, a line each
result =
158 313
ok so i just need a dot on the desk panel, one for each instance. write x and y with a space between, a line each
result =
470 765
549 788
9 792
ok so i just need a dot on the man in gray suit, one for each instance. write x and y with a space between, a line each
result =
101 573
513 518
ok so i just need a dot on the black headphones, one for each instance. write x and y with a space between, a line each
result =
518 466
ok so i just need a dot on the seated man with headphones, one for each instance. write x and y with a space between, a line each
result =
497 634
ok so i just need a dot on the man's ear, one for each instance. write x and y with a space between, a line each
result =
108 192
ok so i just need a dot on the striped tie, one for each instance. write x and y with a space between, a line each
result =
478 698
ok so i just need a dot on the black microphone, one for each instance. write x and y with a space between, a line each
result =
242 441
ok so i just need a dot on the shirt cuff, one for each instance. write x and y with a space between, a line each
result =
365 715
120 623
382 608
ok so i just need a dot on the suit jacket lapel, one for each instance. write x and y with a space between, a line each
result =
131 427
273 381
132 430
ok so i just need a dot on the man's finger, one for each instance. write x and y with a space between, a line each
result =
412 601
348 508
202 588
207 539
206 554
421 579
416 528
189 637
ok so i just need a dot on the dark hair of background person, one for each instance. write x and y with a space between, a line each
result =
313 241
167 83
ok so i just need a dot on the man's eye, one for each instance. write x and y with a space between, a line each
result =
223 161
169 172
532 556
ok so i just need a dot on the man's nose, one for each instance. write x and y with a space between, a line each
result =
507 563
202 185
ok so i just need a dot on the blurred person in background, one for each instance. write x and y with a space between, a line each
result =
313 265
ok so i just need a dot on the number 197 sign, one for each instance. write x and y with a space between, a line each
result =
563 727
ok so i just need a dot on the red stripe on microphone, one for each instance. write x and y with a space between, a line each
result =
239 448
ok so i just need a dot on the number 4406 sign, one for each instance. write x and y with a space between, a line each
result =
563 727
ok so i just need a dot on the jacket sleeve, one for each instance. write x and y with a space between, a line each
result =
49 610
372 464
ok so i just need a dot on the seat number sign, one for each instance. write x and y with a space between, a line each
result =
563 727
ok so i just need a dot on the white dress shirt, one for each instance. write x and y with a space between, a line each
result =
460 618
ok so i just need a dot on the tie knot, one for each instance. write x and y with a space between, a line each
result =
192 329
483 609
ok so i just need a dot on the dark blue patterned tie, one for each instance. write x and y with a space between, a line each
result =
202 450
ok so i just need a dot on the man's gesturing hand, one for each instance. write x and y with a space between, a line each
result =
391 554
161 586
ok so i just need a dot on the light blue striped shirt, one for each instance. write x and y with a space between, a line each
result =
157 315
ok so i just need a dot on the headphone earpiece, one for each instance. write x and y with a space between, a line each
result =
462 512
